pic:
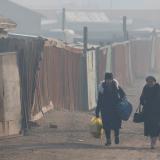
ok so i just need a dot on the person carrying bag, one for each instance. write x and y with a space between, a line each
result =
110 95
150 100
139 115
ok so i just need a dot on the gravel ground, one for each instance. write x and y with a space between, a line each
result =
72 140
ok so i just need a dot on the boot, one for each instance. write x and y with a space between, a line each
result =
116 140
108 143
153 142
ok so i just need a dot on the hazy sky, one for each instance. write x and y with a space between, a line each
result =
116 4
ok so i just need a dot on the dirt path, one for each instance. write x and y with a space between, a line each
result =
72 140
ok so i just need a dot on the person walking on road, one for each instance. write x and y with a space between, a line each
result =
150 100
110 94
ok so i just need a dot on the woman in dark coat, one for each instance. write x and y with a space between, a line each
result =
150 99
110 94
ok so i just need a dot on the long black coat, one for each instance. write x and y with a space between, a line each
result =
150 99
107 102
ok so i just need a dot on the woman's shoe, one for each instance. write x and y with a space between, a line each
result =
116 140
108 143
153 142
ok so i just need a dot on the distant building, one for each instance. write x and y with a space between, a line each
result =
5 26
28 21
103 25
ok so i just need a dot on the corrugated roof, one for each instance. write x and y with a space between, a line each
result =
71 47
91 17
146 29
7 24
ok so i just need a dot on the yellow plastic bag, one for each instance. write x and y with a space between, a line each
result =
96 127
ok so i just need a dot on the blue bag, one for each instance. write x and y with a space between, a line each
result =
124 109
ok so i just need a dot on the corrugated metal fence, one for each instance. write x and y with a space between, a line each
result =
129 60
53 72
28 56
66 78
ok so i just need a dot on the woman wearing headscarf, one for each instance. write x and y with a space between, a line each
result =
150 100
110 94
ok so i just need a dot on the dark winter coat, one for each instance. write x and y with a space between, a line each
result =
150 99
106 105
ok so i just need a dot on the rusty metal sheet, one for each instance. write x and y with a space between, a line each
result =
28 57
157 54
60 78
141 57
101 60
120 63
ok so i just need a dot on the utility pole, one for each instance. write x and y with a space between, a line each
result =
85 39
125 33
84 68
153 59
63 19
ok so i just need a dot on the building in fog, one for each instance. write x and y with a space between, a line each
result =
106 25
85 4
5 26
28 21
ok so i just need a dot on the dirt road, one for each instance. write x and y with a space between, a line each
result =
72 141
